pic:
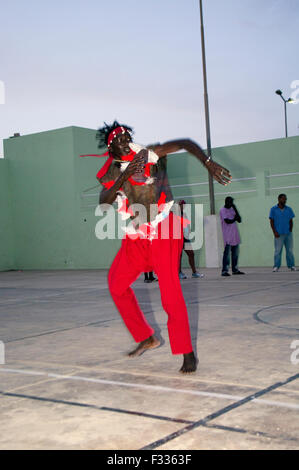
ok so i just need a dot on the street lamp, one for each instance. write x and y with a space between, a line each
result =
290 100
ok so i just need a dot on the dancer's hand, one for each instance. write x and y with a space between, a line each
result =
135 166
219 173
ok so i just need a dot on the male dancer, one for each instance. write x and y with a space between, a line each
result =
130 176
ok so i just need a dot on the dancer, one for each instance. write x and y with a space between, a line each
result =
130 176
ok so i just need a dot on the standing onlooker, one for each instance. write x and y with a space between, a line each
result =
187 248
229 215
281 221
149 277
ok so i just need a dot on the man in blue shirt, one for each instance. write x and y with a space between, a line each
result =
281 221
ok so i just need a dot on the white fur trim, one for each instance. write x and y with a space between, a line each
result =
135 147
152 157
123 166
121 197
161 216
150 180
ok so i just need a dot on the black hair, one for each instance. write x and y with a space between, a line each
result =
281 195
103 132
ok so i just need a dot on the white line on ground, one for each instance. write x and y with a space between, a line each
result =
233 305
156 388
247 305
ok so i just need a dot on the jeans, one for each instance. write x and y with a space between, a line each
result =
226 262
287 241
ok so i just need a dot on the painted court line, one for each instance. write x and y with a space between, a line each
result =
155 388
248 306
231 305
163 376
217 414
143 415
51 332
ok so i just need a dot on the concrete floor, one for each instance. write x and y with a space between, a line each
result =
66 382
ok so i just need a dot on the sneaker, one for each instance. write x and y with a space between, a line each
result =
182 275
275 269
225 274
197 274
238 272
293 268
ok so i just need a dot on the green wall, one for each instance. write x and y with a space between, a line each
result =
254 197
6 222
49 197
42 197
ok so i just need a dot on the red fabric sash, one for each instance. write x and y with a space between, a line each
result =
126 158
96 155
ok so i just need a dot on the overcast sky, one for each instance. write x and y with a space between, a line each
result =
82 62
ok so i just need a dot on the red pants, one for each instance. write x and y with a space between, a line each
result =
162 256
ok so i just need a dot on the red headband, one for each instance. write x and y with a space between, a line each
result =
111 136
118 130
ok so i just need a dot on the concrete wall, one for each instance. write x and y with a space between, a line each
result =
6 221
43 198
54 194
255 188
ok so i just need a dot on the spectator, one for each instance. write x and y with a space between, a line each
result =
229 215
187 248
149 277
281 221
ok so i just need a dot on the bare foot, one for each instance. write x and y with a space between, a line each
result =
150 343
189 364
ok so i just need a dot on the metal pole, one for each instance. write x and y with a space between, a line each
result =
285 117
206 100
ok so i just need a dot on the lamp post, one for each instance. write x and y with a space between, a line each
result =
208 133
290 100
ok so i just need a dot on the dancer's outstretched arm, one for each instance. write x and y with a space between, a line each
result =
219 173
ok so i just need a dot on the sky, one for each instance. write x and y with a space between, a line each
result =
83 62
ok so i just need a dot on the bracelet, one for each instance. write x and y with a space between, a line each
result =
208 160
